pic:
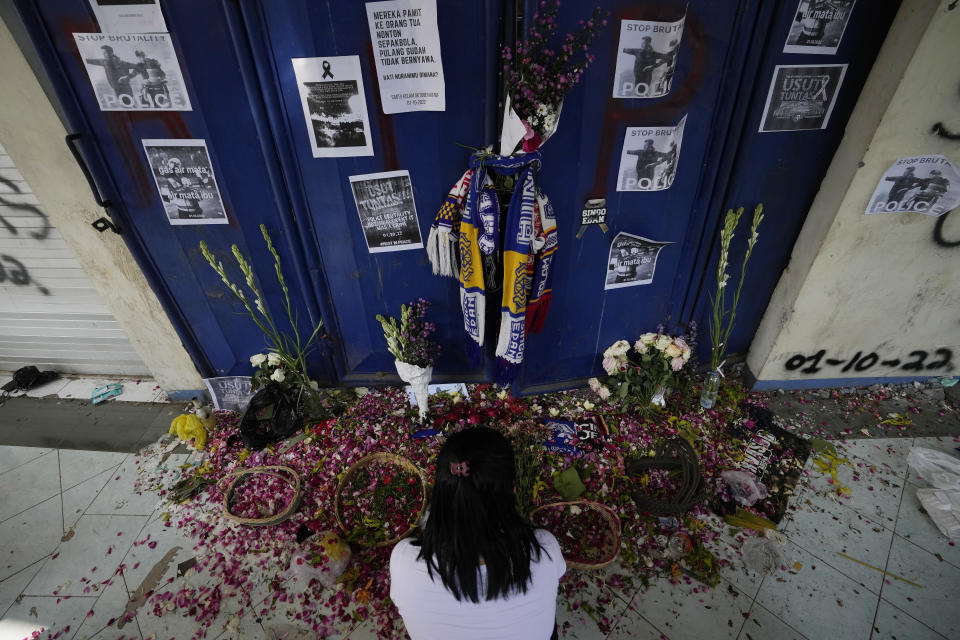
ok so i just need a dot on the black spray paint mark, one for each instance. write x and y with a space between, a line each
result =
38 235
938 233
915 361
18 275
943 132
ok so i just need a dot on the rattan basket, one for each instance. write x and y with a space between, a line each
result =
284 473
381 456
608 515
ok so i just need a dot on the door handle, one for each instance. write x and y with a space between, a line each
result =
104 222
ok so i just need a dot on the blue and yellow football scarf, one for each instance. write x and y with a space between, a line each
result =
470 216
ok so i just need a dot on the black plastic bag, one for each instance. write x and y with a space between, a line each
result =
26 378
270 417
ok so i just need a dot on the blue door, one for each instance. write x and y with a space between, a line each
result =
236 57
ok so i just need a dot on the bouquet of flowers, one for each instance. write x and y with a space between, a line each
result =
641 373
410 344
285 364
539 75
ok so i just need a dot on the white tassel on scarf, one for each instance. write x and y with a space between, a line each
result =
442 241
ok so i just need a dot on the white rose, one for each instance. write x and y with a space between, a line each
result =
588 405
277 376
258 359
648 338
603 392
502 395
639 346
673 351
617 349
662 342
273 359
686 354
611 365
361 391
594 384
314 385
554 412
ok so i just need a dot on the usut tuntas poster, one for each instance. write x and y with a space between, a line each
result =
388 213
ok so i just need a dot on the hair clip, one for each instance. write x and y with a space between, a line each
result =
459 469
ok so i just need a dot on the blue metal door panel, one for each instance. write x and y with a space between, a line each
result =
362 284
222 115
783 169
582 161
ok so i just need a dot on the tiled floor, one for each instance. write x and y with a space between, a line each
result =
78 387
65 515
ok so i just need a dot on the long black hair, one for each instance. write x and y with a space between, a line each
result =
473 517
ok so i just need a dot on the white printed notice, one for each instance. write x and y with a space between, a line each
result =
129 16
334 105
919 184
407 50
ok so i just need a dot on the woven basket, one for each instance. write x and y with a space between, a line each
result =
608 515
381 456
284 473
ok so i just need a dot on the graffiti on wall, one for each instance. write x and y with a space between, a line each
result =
917 362
12 270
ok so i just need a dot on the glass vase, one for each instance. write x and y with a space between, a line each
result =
711 386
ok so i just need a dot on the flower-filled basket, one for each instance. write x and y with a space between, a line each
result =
248 510
588 532
379 499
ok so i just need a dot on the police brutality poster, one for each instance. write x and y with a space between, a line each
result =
388 213
646 58
129 16
632 261
818 26
649 158
334 105
801 97
185 180
406 46
133 71
920 184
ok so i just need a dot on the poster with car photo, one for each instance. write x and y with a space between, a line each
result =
646 58
388 213
649 158
185 181
801 97
919 184
133 71
334 105
632 261
818 26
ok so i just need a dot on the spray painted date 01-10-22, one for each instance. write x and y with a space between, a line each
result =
915 361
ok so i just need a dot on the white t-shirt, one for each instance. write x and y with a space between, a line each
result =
430 611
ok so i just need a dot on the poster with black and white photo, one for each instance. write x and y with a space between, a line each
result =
406 45
185 180
648 161
230 393
818 26
646 58
334 105
801 97
632 261
388 213
129 16
919 184
133 71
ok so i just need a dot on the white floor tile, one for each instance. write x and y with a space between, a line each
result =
77 466
44 614
12 587
286 631
13 457
51 388
690 611
762 625
894 624
888 453
825 529
818 599
916 526
119 496
94 552
633 626
935 603
78 498
592 611
30 536
141 558
28 485
108 607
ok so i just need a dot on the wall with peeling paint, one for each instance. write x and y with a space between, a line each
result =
877 296
33 135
